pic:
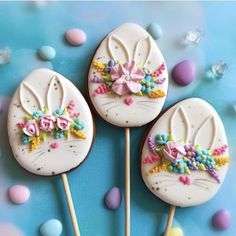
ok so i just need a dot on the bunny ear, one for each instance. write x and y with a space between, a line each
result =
179 125
117 49
143 50
206 133
29 99
55 94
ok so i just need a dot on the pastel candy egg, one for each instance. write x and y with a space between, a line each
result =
222 219
19 194
176 231
75 36
155 30
113 198
51 227
184 72
47 53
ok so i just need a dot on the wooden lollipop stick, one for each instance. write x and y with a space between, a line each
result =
70 204
127 182
170 220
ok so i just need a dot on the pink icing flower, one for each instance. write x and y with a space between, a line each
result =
64 122
174 151
21 125
31 128
47 122
126 78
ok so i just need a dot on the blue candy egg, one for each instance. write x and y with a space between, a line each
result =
155 30
46 53
51 227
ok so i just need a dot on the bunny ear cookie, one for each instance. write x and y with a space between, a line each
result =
184 158
128 78
50 125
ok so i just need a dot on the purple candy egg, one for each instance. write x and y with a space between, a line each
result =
184 72
113 198
221 219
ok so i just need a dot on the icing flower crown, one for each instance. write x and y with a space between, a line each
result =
58 124
182 159
127 78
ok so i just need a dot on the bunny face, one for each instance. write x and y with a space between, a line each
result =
50 126
185 157
128 79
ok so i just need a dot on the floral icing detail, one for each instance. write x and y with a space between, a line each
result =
174 151
161 139
151 159
47 122
127 78
181 158
58 124
31 128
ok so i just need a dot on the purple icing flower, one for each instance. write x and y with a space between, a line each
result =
174 151
189 151
64 122
31 128
126 77
47 122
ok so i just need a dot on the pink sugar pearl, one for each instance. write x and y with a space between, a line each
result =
19 194
75 36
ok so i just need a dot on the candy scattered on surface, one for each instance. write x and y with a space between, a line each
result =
51 227
221 220
19 194
176 231
75 36
184 72
9 230
193 37
113 198
5 55
46 53
155 30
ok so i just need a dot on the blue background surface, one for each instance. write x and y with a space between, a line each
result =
24 28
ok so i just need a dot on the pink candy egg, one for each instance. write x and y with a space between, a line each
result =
19 194
75 36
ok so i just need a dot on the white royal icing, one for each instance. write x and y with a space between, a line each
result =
47 88
195 122
126 43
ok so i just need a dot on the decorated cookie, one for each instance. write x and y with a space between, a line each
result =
184 158
128 78
50 125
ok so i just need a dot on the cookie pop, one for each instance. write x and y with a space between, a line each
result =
50 127
184 158
127 85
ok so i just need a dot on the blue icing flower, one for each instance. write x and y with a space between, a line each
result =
59 134
37 114
204 157
78 124
161 139
58 112
179 167
25 139
147 84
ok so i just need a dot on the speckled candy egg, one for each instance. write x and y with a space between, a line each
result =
50 125
185 156
128 78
